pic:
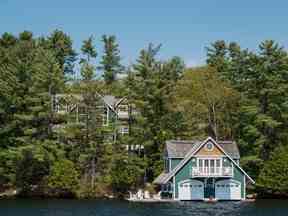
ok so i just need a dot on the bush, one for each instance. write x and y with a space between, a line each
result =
63 180
252 165
127 174
273 178
30 172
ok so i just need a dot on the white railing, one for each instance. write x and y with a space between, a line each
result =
212 172
123 114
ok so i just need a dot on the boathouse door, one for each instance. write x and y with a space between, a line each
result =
191 190
209 189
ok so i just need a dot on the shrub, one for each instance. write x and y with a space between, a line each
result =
63 180
273 178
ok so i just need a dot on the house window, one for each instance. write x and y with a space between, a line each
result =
209 146
166 164
167 187
124 130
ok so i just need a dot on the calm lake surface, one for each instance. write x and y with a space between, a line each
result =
25 207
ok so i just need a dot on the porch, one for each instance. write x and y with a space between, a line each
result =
211 168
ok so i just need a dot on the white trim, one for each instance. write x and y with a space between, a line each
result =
176 157
244 187
230 181
194 151
170 164
191 181
107 117
208 148
174 187
206 171
120 101
210 156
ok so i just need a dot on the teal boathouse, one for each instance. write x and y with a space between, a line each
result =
202 170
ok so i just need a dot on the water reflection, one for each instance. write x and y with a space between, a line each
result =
122 208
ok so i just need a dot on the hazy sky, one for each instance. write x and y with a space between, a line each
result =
184 27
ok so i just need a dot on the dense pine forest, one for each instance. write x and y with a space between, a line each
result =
239 95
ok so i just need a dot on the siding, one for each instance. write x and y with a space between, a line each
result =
239 176
185 172
174 162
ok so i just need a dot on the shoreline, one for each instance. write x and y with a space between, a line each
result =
14 194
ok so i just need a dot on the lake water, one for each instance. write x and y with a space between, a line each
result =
28 207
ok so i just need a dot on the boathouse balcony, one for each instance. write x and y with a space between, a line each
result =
212 172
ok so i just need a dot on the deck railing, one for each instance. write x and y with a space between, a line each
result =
123 114
212 172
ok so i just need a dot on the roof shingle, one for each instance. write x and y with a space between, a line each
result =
179 148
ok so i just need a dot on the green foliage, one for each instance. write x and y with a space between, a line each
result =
209 104
64 178
252 165
262 80
31 164
88 48
150 88
61 44
126 172
239 95
273 177
110 63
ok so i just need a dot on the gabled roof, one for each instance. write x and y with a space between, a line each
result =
179 148
111 101
160 178
194 150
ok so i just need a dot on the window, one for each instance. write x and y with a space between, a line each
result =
209 146
124 130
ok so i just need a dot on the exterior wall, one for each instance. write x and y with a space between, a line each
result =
239 176
174 162
226 162
205 152
185 173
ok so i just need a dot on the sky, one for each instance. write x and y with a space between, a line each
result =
184 27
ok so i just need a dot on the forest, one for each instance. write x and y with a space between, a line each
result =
238 94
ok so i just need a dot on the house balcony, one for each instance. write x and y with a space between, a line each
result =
123 115
212 172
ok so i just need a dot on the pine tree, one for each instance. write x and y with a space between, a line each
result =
154 83
61 44
110 63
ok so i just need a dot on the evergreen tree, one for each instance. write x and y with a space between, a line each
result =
154 84
272 180
110 63
88 49
61 44
261 78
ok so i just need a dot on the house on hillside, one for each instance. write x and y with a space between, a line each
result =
112 112
202 170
